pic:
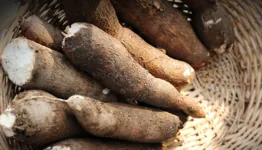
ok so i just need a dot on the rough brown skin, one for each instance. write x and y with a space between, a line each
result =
156 62
102 14
108 61
122 121
164 27
54 74
218 36
32 93
92 143
42 32
90 10
43 120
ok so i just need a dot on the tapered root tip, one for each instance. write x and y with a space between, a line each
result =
192 108
18 61
197 113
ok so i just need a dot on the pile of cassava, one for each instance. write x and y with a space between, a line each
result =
111 79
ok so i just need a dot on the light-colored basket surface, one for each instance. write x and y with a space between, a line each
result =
229 89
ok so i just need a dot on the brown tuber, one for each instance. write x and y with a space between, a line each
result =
122 121
212 24
39 120
35 29
92 143
102 14
164 27
108 61
33 66
32 93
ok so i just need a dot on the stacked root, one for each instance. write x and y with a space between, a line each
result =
80 90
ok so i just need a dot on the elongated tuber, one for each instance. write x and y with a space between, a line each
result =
102 14
33 66
165 27
108 61
39 120
124 122
42 32
92 143
212 24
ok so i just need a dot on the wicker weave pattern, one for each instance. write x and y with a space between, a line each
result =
229 89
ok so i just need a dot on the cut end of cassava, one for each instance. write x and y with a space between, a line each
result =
7 121
58 148
189 74
18 60
74 28
71 30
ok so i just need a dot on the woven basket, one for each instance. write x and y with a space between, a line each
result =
229 89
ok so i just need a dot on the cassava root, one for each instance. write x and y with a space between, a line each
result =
102 14
33 66
108 61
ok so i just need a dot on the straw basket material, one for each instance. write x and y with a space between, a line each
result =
229 89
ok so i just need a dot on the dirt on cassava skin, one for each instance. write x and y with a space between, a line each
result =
53 73
122 121
42 32
164 27
213 25
107 60
102 14
92 143
43 120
